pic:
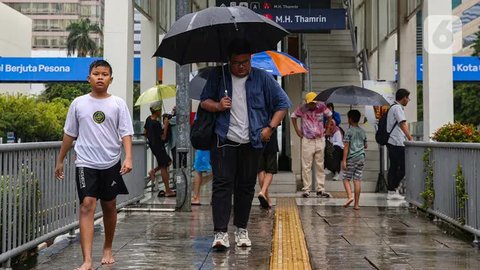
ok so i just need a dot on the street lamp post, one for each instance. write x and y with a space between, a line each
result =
183 177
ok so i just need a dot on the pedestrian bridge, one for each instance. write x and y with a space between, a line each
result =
297 233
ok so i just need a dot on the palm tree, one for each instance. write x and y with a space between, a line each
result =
476 45
79 38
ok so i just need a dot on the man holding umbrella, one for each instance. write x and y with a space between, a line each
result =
249 104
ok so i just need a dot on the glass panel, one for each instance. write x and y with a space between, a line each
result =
143 5
392 15
85 11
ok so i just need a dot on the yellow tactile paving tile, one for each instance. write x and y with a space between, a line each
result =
289 250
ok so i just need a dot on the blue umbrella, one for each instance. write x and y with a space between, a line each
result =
278 63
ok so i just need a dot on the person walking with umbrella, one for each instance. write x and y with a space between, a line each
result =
249 105
312 134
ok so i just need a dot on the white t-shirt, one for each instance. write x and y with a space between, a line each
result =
337 139
396 114
99 126
238 130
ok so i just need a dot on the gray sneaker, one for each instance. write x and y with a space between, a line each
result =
221 241
241 238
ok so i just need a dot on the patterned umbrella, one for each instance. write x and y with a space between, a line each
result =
278 63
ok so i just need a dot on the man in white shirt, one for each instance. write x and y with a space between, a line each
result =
397 121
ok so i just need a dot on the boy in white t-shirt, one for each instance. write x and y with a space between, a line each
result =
99 123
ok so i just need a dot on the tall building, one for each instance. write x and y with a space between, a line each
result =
469 13
51 18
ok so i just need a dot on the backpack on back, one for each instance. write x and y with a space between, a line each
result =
382 134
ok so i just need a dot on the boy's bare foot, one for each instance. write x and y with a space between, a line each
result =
108 257
348 202
195 201
85 266
356 207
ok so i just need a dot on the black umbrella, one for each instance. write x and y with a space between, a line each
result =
198 82
204 36
352 95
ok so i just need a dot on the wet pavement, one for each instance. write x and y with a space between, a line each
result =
381 238
382 235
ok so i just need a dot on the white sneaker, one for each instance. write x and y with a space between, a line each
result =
327 171
221 240
336 176
241 238
394 195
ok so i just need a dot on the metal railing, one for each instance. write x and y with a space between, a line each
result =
34 206
444 159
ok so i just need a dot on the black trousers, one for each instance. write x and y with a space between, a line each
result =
396 172
234 169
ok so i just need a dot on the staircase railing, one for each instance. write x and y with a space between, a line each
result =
361 58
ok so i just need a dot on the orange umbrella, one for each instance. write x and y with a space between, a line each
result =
278 63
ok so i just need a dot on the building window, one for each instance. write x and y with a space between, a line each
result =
471 14
392 15
469 40
85 11
40 42
41 8
40 25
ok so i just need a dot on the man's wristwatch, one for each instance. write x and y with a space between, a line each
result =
271 128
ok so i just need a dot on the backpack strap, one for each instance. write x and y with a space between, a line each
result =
394 125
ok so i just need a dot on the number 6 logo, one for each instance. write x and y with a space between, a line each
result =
442 34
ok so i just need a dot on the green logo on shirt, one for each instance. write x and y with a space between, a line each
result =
98 117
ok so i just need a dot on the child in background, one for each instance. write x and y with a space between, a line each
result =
353 157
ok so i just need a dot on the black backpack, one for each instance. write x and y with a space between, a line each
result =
382 135
202 131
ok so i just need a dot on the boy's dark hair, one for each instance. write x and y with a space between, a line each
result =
401 93
238 46
100 63
354 116
330 105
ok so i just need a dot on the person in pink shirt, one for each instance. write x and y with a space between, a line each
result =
312 133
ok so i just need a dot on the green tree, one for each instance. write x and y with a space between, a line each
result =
476 45
79 38
467 103
32 120
67 91
466 100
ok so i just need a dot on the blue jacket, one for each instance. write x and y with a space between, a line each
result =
264 98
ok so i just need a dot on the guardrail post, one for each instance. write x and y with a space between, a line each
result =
476 241
71 234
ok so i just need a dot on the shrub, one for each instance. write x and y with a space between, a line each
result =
457 132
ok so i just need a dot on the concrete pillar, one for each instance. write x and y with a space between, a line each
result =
118 47
386 59
437 69
407 62
386 46
148 69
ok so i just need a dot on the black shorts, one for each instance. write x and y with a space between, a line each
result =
268 163
162 157
101 184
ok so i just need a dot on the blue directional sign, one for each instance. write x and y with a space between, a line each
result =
465 68
307 20
65 69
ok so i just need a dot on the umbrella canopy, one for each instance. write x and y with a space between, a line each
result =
198 82
156 93
352 95
204 36
278 63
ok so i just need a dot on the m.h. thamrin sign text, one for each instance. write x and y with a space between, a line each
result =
69 69
307 20
465 68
